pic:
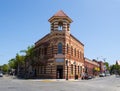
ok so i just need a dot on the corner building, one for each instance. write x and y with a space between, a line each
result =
59 55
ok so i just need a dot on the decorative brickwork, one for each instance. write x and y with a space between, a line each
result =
59 54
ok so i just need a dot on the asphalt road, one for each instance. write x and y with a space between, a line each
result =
111 83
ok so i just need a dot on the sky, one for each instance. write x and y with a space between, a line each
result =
96 23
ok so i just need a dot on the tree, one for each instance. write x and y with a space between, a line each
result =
28 59
20 60
115 69
29 53
0 67
5 68
107 66
12 63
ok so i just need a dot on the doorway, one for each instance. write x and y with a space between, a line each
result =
59 72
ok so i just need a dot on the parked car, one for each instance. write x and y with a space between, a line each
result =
107 74
102 75
90 77
86 76
1 74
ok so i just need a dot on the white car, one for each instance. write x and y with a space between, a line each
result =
1 74
102 75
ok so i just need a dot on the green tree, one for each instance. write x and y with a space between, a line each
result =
5 68
115 69
0 67
28 58
107 66
28 53
12 63
20 59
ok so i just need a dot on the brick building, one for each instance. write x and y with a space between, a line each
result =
92 67
59 54
102 67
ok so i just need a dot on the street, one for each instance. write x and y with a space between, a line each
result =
110 83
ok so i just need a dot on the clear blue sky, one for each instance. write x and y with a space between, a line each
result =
96 23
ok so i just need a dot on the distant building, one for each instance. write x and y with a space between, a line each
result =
59 54
102 67
92 67
118 62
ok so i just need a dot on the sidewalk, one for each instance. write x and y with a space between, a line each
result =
48 80
53 80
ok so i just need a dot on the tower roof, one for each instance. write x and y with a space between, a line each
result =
60 14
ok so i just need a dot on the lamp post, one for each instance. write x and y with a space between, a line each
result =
67 69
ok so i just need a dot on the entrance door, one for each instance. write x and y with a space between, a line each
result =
59 73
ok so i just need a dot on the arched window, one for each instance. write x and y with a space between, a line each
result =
75 52
59 48
60 26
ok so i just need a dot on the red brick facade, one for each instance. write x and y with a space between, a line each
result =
58 54
92 67
102 67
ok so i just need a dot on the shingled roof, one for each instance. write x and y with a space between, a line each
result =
60 14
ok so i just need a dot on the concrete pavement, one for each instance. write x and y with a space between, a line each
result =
110 83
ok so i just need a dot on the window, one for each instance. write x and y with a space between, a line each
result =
67 48
60 48
51 69
71 51
60 26
41 70
42 51
52 49
75 52
44 69
71 68
78 70
45 51
39 51
37 70
81 69
78 53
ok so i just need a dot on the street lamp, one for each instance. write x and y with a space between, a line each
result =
67 69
